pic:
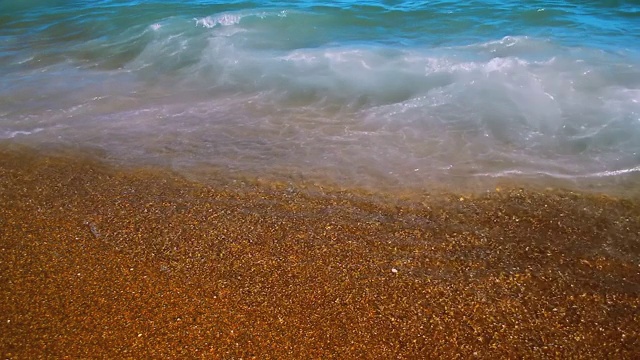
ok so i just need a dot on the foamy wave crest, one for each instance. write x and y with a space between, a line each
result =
231 18
222 20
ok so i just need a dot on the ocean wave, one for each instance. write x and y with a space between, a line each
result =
398 91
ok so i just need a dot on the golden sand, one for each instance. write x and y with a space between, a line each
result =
108 263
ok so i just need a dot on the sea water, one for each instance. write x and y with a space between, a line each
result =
379 94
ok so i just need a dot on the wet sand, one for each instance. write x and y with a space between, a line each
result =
99 262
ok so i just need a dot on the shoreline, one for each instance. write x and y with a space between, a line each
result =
110 262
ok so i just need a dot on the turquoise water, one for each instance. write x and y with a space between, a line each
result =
368 93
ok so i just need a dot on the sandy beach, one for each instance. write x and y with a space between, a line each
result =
104 262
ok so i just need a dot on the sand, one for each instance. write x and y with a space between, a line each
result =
105 262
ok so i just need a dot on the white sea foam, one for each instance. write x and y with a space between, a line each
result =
17 133
234 18
222 20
